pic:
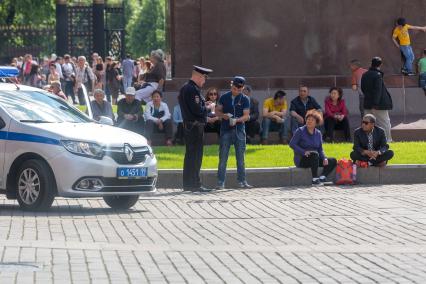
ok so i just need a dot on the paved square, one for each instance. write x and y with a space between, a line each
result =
268 235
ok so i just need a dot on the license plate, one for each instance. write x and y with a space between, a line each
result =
132 172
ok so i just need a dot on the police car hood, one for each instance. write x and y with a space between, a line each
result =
93 132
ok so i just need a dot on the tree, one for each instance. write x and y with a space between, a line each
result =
146 27
27 12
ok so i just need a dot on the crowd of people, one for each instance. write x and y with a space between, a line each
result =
306 119
234 115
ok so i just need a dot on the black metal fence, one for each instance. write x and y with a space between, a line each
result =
18 40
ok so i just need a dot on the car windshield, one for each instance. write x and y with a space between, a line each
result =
39 107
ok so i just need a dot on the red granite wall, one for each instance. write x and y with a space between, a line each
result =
275 38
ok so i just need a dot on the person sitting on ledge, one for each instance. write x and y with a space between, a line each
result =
336 115
370 143
307 146
158 118
275 117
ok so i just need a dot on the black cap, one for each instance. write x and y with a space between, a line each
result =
238 81
202 70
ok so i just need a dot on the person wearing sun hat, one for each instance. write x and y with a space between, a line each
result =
129 112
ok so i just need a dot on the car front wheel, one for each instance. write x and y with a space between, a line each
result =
121 201
35 186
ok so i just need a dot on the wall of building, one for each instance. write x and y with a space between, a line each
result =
273 38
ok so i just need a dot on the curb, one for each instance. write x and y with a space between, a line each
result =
292 176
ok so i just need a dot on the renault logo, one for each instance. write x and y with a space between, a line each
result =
128 151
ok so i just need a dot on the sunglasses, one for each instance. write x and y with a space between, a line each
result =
213 94
366 122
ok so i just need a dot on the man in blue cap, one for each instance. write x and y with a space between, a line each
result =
194 113
234 109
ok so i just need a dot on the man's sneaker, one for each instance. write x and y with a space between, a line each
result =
316 181
411 74
220 186
322 179
244 184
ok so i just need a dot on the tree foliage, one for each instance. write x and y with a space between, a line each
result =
27 12
146 27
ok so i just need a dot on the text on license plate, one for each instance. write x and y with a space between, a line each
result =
132 172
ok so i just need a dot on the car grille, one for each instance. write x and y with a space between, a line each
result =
118 155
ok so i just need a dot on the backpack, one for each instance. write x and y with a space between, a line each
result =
345 172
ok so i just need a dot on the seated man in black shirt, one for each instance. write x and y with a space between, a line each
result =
370 143
129 112
299 107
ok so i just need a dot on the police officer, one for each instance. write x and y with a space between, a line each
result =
194 113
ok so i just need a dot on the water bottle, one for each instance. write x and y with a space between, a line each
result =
354 172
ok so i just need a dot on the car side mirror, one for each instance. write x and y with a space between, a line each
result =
105 120
2 123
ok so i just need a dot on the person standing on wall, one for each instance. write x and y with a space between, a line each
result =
404 43
194 113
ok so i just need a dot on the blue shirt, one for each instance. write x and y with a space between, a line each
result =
128 67
303 141
177 114
235 106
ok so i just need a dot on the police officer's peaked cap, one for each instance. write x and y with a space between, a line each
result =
202 70
238 81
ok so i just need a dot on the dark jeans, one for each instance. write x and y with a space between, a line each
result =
194 138
313 161
134 126
422 81
69 90
236 137
384 157
179 135
252 128
331 124
81 99
269 125
151 127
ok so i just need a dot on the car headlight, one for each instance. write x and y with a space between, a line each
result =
85 149
151 152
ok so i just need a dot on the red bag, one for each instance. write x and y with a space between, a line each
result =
345 172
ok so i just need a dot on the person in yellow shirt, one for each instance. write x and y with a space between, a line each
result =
275 117
404 43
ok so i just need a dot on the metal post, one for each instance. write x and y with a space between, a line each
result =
61 27
99 27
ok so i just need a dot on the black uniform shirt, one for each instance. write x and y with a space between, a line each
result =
192 103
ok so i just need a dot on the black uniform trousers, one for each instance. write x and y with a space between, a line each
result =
194 138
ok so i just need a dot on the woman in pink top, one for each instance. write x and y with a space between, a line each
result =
336 115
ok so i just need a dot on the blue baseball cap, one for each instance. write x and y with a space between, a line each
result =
239 81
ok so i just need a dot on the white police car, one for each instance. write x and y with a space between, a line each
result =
49 148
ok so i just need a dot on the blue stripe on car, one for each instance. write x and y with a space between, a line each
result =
15 136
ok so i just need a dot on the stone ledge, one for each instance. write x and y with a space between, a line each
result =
292 176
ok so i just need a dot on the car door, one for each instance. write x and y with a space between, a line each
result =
4 129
